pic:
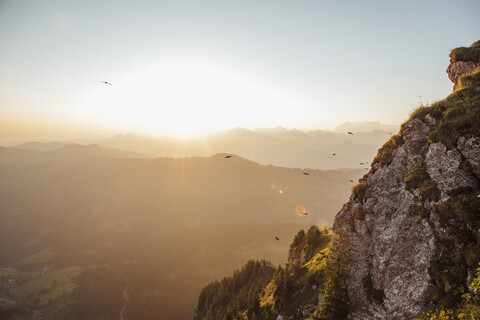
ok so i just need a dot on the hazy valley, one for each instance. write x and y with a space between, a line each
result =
80 219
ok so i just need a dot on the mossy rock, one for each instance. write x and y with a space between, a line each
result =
359 191
385 153
359 214
373 295
458 115
471 53
415 175
429 190
469 80
417 210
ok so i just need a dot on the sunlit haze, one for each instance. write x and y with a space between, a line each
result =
215 159
186 67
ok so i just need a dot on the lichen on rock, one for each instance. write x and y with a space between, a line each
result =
416 214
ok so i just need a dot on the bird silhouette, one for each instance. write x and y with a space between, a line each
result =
361 163
228 157
333 154
277 238
351 180
306 173
350 133
106 82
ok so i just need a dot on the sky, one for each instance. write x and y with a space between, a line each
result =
184 67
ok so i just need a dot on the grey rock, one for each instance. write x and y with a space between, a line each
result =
430 120
415 139
443 167
306 310
470 149
459 68
392 247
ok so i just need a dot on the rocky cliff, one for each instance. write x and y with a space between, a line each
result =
411 225
408 239
463 61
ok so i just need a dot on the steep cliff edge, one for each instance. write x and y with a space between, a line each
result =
412 225
463 61
408 239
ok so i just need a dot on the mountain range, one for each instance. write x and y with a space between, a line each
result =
277 146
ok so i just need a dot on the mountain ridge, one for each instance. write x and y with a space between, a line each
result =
284 148
406 244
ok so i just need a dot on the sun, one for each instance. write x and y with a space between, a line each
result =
185 98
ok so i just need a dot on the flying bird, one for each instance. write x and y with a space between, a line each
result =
350 133
306 173
333 154
277 238
228 157
351 180
106 82
361 163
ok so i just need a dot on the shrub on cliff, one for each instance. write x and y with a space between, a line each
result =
471 53
469 309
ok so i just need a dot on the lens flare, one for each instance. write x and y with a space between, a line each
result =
300 210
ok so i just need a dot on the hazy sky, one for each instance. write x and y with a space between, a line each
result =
184 66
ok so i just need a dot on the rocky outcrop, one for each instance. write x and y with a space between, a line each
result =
459 68
408 239
391 245
415 213
444 167
470 149
463 60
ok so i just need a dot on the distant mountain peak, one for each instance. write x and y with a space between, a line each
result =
363 126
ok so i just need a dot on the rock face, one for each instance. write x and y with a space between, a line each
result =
391 247
458 68
414 217
409 236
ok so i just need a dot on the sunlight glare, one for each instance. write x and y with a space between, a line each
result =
185 97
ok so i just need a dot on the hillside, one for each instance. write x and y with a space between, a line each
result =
278 146
407 242
80 225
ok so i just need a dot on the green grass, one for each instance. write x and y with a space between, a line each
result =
44 290
469 80
460 253
359 214
41 257
466 54
267 300
359 191
458 115
6 272
417 210
415 175
385 154
429 190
